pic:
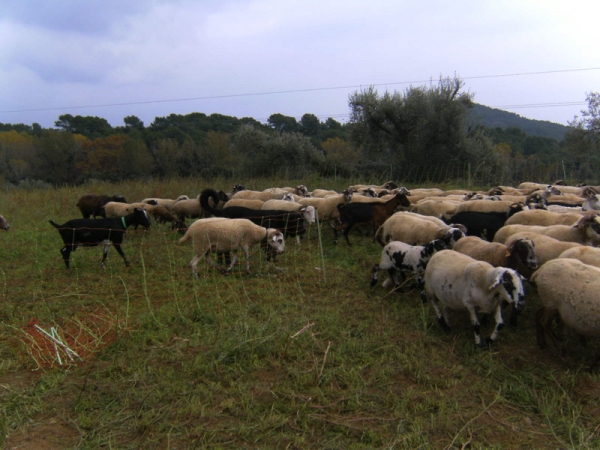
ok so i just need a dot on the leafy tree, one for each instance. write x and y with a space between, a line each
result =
282 123
165 156
310 125
133 122
89 126
582 141
340 157
418 127
55 157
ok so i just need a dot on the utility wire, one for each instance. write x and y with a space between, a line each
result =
291 91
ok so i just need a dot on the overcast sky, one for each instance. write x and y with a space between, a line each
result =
254 58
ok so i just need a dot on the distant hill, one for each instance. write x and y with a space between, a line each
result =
493 118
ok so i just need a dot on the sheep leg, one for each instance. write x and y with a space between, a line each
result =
66 254
347 231
543 321
476 327
499 324
247 255
436 306
233 261
374 275
194 263
118 249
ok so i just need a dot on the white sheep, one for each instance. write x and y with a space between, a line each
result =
454 281
221 235
327 206
245 202
568 290
188 209
166 202
415 229
542 217
398 257
118 209
546 247
519 255
435 207
265 195
485 206
585 254
586 231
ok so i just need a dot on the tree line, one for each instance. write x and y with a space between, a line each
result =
419 135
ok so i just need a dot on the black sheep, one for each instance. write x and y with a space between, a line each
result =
92 232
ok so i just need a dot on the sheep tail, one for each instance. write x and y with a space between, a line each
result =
204 196
185 238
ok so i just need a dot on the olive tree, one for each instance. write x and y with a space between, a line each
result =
419 127
582 140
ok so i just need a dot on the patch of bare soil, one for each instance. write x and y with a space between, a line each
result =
46 433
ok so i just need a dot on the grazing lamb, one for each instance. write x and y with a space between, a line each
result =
454 281
4 224
92 204
92 232
403 258
568 290
220 235
372 213
415 229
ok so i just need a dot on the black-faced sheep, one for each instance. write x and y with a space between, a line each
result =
91 205
398 257
568 290
220 235
92 232
454 281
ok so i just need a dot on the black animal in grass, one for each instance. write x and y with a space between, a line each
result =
92 232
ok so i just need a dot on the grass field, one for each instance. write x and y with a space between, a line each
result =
299 354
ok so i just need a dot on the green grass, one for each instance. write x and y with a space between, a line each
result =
298 354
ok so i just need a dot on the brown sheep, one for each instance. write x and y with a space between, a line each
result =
93 204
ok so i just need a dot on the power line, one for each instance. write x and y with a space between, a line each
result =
291 91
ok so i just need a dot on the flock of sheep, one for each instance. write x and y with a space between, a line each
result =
466 250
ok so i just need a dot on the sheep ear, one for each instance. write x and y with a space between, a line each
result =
507 254
274 238
497 280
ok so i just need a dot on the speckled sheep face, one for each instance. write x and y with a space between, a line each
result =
513 287
277 243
